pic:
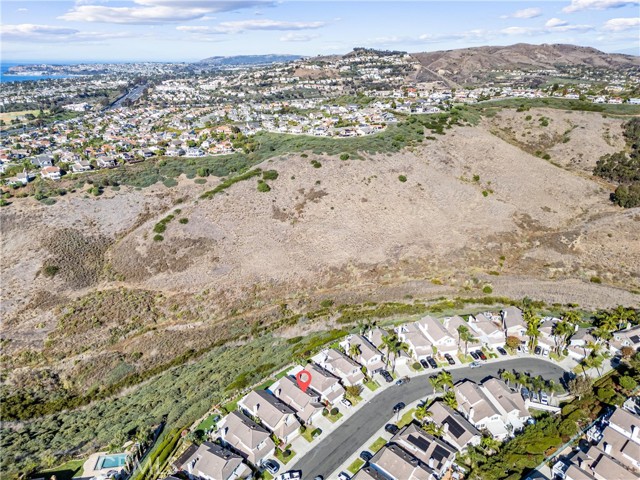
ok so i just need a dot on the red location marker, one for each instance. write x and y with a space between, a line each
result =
303 377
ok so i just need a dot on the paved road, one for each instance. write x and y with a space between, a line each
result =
335 449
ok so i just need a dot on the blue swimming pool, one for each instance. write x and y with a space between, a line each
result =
111 461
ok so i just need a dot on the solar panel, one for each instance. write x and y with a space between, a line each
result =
439 454
455 428
420 442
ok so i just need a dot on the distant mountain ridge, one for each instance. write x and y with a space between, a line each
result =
249 59
469 64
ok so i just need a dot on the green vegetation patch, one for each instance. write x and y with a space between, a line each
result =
231 181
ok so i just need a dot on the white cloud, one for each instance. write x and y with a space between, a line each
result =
555 22
525 13
155 11
620 24
28 32
519 30
22 10
578 5
298 37
244 25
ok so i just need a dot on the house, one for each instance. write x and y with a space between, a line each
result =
106 162
341 366
486 330
437 335
24 177
325 384
513 323
629 337
274 414
81 166
419 345
214 462
306 404
369 356
395 463
369 472
251 441
458 431
50 173
375 336
429 450
491 406
42 161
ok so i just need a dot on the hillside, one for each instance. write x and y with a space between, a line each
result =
479 208
470 65
248 60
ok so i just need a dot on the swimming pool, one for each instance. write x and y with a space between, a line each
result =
111 461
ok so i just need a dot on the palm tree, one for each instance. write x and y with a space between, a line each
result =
432 429
490 445
435 383
354 350
464 335
533 330
422 411
394 346
389 341
562 332
508 377
450 400
445 379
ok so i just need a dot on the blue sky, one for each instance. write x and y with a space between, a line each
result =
188 30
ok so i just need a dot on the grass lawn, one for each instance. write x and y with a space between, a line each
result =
285 460
355 466
65 471
231 406
281 374
406 418
334 418
307 434
208 422
266 384
464 358
372 385
377 445
354 400
266 475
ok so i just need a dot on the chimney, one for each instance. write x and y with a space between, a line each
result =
431 462
445 427
607 448
634 432
471 412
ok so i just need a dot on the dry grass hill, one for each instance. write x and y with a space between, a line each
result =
480 207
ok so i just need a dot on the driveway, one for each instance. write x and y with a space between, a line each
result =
332 451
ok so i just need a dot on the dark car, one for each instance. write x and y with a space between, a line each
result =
501 351
398 406
537 350
366 456
525 393
481 354
271 466
392 428
424 363
432 362
449 359
474 355
387 376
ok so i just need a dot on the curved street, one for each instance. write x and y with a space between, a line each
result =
325 457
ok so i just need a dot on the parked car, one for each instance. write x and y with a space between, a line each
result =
400 381
387 376
474 355
432 362
545 353
475 364
544 399
343 476
392 428
537 350
271 466
290 475
524 391
501 351
535 397
481 354
346 402
366 456
523 348
424 363
449 359
398 406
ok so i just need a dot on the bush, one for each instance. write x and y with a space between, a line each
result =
417 366
183 220
485 193
402 178
50 271
487 289
200 181
546 156
158 238
595 280
344 156
334 411
316 164
170 182
263 187
159 227
325 412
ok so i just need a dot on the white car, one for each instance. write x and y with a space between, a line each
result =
545 353
343 476
544 399
346 402
475 364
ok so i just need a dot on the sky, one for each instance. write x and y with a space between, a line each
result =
190 30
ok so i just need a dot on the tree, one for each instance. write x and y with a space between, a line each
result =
433 429
580 386
422 411
394 346
508 376
513 342
450 400
445 379
628 383
533 329
353 390
489 444
464 335
627 352
354 350
562 333
435 383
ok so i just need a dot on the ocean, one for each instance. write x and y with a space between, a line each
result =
4 67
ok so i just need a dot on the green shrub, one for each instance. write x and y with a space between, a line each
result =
485 193
183 220
270 175
334 411
316 164
546 156
158 238
344 156
595 280
402 178
169 182
487 289
200 181
50 270
159 227
263 187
